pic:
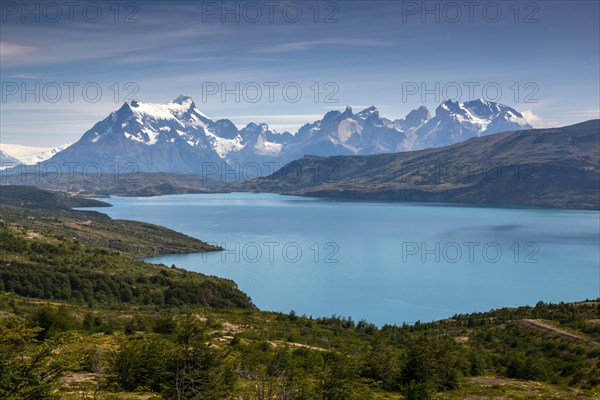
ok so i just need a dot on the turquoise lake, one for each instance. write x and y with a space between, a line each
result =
388 263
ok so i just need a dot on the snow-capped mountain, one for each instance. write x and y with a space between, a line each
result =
346 133
413 119
31 155
147 137
177 137
455 122
171 137
366 132
261 143
7 161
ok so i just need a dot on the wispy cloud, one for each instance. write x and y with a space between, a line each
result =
532 118
588 113
280 117
308 44
26 75
11 51
538 122
278 122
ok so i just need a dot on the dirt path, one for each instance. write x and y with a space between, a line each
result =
537 324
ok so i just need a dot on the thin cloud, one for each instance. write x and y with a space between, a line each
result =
591 113
308 44
280 117
25 75
12 51
277 122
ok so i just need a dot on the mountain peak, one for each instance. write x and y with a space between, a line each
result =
448 104
256 125
482 104
6 160
182 99
480 101
182 107
368 112
127 109
417 117
334 114
347 113
484 109
186 102
449 108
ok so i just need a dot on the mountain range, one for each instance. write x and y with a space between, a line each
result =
555 167
176 137
7 160
19 154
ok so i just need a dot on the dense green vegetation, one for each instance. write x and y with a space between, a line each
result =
49 213
66 269
189 352
80 319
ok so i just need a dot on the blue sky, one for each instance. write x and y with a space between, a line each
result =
366 53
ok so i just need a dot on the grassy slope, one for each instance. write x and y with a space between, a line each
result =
42 211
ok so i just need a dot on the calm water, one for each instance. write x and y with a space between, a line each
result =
387 263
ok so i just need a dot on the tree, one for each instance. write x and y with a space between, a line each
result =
420 364
419 391
200 370
143 362
29 369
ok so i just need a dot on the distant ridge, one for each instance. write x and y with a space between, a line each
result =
555 167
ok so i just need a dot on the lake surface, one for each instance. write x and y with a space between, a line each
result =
384 262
